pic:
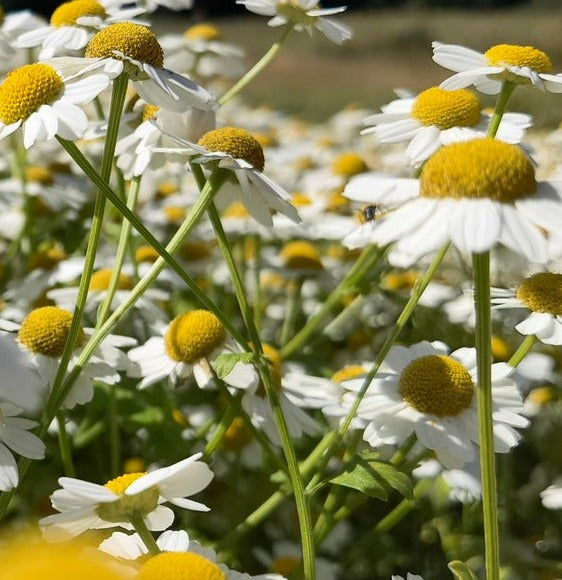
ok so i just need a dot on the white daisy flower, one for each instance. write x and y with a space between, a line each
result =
422 390
437 117
152 5
409 576
523 65
13 25
135 49
43 100
303 14
84 505
73 24
540 293
474 194
15 436
551 497
238 151
43 334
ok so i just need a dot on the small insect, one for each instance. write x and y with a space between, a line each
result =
368 213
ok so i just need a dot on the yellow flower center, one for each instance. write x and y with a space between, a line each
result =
120 510
166 188
273 359
174 213
285 565
293 11
45 330
237 143
543 396
149 112
396 281
46 257
301 255
67 14
446 109
180 419
38 174
300 199
337 203
542 292
134 465
349 164
514 55
125 38
347 373
237 436
437 385
180 566
146 254
100 280
481 168
194 335
236 210
501 351
203 31
304 163
26 89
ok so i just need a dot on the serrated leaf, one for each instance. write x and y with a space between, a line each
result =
461 571
224 363
375 478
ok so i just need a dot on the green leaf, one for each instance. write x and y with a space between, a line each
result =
461 571
224 363
375 478
148 416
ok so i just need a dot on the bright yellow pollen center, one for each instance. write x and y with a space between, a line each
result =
100 280
67 14
284 566
237 436
26 89
301 255
514 55
349 164
477 169
46 258
146 254
542 395
149 112
166 188
180 566
300 199
396 281
45 330
132 40
120 510
437 385
500 349
542 292
236 210
347 373
202 31
194 335
237 143
174 213
446 109
38 174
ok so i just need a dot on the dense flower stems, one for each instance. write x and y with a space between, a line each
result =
332 442
258 67
145 535
361 268
297 484
483 344
522 350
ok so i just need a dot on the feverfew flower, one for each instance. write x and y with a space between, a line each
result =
437 117
540 293
551 497
84 505
522 65
303 14
474 194
42 100
422 390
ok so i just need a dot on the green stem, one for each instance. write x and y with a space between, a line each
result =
26 237
362 267
64 446
145 535
501 105
258 67
115 460
482 339
219 432
522 350
293 309
256 268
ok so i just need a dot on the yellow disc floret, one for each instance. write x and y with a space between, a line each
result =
446 109
125 39
203 31
349 164
301 255
146 254
542 292
26 89
521 56
347 373
46 257
194 335
396 281
481 168
274 363
125 506
38 174
179 566
437 385
67 14
100 280
237 436
149 112
45 330
237 143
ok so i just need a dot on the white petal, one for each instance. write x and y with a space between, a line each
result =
474 225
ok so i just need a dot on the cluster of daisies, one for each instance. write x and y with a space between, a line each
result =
230 305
